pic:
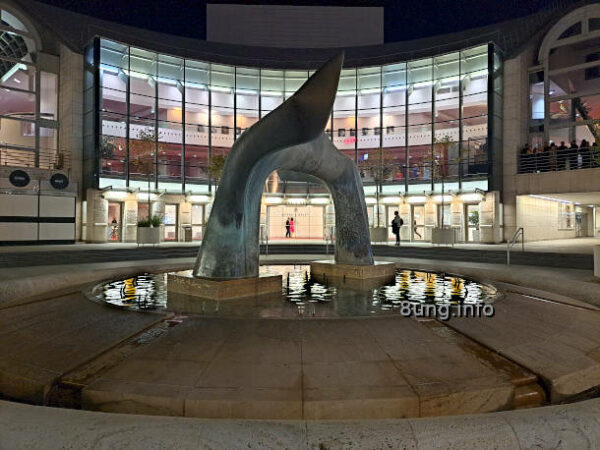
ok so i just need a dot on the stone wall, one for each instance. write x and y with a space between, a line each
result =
70 135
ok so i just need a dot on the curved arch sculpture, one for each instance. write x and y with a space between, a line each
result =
290 137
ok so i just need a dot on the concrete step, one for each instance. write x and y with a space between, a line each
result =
56 257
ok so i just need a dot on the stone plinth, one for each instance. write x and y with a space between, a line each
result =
185 283
328 270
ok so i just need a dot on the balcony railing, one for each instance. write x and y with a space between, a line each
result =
559 160
51 159
371 174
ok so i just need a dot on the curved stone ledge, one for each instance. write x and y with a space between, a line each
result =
564 426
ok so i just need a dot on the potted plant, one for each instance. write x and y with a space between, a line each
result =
474 220
149 231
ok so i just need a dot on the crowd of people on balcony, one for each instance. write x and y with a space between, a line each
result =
551 157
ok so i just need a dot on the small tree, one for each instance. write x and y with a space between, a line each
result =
142 156
216 166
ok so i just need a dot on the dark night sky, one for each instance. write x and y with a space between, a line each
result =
403 19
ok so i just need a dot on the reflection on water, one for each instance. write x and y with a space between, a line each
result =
302 296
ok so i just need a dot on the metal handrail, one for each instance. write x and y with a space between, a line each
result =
264 237
520 231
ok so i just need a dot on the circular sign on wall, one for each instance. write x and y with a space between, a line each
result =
59 181
19 178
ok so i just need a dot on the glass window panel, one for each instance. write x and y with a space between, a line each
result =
142 84
271 81
17 75
17 133
170 68
345 102
114 54
196 94
573 30
574 82
474 59
573 54
49 96
420 73
222 96
170 110
446 69
347 82
113 147
142 149
222 131
419 113
169 151
446 109
270 101
142 62
395 84
475 127
17 103
587 108
196 114
222 76
142 106
475 82
594 24
294 79
113 79
475 105
245 119
196 160
369 86
197 78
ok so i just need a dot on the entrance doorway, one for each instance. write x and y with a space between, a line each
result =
115 221
170 222
308 221
418 226
471 227
197 222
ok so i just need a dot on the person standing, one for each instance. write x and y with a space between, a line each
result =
287 228
292 227
397 223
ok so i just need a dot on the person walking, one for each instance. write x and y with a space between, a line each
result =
292 227
397 223
415 229
287 228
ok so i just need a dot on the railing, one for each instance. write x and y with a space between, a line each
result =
559 160
509 245
371 173
264 237
46 158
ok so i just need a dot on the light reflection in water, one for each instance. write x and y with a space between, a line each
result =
302 296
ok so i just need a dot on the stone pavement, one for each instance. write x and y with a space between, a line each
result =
572 426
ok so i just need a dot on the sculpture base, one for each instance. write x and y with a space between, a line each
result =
186 283
356 276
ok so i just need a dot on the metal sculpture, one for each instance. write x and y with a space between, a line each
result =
290 137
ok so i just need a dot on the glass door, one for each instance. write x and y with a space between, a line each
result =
114 221
418 216
197 222
472 219
170 222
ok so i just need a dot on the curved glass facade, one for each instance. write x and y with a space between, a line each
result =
160 119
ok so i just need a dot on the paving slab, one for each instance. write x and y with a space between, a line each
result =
312 369
40 342
559 343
